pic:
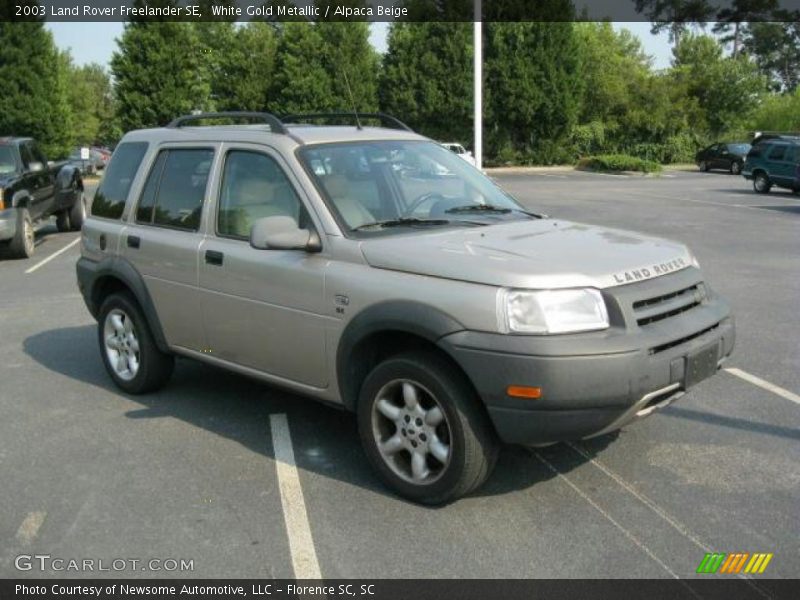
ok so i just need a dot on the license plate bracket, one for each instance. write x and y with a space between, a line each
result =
701 365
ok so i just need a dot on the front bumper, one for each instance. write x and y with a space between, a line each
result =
592 383
8 224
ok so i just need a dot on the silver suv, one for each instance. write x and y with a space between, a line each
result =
371 268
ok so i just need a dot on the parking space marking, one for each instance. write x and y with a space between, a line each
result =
770 387
636 541
52 256
301 544
30 527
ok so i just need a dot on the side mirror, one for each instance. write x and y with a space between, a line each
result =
282 233
35 166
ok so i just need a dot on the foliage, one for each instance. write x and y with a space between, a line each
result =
91 102
619 162
159 72
776 50
778 113
34 100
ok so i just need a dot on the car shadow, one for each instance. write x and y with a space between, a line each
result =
238 408
733 422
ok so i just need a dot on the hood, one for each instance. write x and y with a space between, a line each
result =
541 254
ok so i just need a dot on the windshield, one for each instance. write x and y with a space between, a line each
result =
405 183
8 163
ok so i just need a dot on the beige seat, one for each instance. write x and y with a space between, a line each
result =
252 199
353 212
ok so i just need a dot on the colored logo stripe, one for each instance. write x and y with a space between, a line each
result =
733 563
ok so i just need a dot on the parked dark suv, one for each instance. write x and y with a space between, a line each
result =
774 162
728 156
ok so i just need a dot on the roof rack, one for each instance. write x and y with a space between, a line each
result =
335 116
274 122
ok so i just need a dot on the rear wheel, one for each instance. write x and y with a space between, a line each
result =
703 166
736 168
62 221
129 352
423 429
77 214
22 245
761 183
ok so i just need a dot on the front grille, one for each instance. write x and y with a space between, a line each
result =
658 308
683 340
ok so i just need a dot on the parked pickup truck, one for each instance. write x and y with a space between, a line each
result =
32 189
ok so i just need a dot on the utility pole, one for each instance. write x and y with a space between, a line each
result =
478 83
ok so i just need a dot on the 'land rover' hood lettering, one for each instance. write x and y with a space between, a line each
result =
543 254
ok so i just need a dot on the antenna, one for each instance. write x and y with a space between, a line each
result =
352 99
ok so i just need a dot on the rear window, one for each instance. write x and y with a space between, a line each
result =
777 153
109 201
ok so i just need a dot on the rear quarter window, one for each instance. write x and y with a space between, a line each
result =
109 201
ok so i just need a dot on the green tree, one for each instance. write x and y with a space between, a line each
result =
34 100
732 21
250 72
159 72
426 79
778 112
534 90
776 50
675 16
726 89
91 101
350 59
301 82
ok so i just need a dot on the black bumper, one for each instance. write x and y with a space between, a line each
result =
591 383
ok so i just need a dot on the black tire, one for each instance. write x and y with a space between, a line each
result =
62 221
703 166
736 167
154 366
22 244
77 214
761 183
473 443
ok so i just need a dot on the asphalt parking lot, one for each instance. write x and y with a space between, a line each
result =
203 469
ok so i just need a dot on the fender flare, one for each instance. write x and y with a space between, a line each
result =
21 199
399 316
90 273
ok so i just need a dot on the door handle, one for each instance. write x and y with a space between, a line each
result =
214 258
134 241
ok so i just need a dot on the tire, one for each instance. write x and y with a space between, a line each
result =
125 338
22 245
62 221
77 214
736 168
761 183
703 166
456 447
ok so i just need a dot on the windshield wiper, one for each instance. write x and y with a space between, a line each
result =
400 222
489 208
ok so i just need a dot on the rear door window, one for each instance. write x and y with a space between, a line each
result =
109 201
175 189
777 153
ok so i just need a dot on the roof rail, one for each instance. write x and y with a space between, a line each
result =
383 117
274 122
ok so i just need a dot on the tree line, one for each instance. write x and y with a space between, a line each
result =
554 91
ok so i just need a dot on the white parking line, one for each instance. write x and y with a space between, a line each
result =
30 527
52 256
636 541
301 544
770 387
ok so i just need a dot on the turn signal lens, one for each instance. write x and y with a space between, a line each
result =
2 202
524 391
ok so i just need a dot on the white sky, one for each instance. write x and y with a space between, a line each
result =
95 42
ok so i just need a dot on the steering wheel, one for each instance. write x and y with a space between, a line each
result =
420 200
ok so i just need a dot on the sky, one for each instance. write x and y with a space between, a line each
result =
95 42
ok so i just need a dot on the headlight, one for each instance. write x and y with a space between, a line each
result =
551 311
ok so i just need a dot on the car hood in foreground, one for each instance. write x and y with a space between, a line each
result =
542 254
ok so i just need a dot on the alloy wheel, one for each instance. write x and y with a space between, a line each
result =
121 344
411 432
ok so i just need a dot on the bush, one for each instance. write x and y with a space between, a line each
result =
618 162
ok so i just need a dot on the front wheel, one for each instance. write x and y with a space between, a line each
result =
129 352
424 430
761 183
23 243
736 168
703 166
